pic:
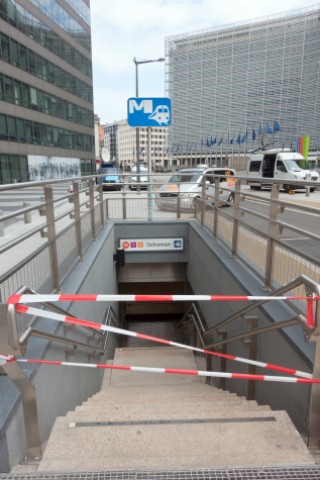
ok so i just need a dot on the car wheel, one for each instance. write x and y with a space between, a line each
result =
312 190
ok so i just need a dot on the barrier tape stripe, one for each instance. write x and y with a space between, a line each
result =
86 323
176 371
25 298
6 359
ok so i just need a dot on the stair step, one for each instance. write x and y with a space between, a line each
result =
158 411
238 439
170 422
192 399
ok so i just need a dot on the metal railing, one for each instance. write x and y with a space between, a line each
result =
256 230
207 338
14 343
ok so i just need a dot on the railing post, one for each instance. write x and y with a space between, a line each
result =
203 200
77 218
124 204
272 231
178 203
236 217
9 344
251 343
27 215
223 361
216 206
1 225
29 408
91 207
52 237
314 404
100 190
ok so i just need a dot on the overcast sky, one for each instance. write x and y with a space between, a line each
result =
124 29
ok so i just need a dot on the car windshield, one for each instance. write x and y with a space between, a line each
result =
108 171
185 177
292 166
305 165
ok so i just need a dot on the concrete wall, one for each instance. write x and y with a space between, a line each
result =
211 270
60 389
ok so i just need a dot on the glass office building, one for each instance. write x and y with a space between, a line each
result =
236 87
46 93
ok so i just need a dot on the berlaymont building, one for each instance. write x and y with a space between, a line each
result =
238 87
46 94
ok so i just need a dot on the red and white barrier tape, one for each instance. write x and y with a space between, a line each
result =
174 371
86 323
6 359
37 298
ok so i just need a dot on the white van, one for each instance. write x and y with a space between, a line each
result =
278 165
187 184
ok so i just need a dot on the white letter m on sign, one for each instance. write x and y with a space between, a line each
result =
145 105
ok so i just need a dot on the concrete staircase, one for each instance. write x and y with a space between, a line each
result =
161 421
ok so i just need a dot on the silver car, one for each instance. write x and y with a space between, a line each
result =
187 185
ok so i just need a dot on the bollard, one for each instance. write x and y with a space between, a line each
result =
1 225
27 215
308 178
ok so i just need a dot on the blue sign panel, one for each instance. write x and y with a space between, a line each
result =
149 112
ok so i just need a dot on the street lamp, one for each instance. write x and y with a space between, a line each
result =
137 63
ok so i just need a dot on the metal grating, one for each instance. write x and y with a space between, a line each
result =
303 472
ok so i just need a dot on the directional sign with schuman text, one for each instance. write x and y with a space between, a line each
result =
149 112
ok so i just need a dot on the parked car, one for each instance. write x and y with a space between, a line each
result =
139 181
187 184
110 178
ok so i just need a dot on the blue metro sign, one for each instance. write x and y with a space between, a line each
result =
149 112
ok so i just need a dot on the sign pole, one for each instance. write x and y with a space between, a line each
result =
149 177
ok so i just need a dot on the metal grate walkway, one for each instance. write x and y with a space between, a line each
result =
311 472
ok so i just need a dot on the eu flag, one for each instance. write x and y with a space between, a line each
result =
268 129
276 127
253 134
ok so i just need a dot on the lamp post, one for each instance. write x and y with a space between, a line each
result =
137 63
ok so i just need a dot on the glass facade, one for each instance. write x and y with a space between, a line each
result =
246 84
46 93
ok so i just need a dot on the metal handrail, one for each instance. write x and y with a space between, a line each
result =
301 280
14 371
193 313
257 331
19 342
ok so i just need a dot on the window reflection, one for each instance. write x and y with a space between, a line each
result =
27 131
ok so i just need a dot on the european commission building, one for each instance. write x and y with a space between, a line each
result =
236 87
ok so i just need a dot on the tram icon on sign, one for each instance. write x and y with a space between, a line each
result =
149 112
161 115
